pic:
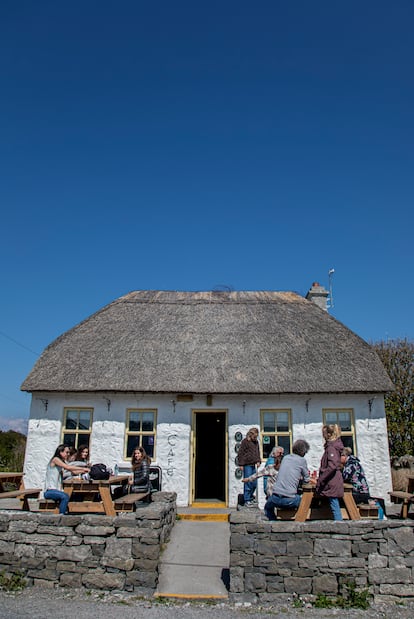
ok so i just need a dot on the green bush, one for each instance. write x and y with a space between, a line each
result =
353 598
12 582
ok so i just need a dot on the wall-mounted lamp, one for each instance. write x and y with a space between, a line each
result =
244 406
370 403
209 399
108 402
307 410
45 403
173 403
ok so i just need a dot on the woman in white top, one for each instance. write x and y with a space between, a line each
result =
54 475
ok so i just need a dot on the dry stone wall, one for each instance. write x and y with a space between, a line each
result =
274 560
90 551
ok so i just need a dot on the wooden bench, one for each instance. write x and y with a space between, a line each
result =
47 505
29 493
77 507
126 503
406 498
286 514
368 511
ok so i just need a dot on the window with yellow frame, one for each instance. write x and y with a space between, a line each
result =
344 417
275 429
141 426
77 426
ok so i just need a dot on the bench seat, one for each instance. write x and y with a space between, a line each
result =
368 511
47 505
29 493
127 503
286 514
406 498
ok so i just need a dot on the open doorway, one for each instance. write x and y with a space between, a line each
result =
209 456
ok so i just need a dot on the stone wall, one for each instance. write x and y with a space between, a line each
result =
273 560
91 551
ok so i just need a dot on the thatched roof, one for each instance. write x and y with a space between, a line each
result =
209 342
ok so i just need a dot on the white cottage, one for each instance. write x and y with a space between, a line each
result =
185 374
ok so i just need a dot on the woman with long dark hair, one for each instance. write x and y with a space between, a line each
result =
82 455
54 477
140 462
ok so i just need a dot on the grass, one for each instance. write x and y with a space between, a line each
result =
353 598
12 582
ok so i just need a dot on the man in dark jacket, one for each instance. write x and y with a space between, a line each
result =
248 457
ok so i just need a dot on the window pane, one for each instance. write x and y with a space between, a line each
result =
148 445
344 420
84 420
268 442
134 422
269 422
83 439
283 422
71 420
69 439
284 441
133 441
348 441
331 418
147 422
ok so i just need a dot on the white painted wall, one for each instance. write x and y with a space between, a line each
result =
174 433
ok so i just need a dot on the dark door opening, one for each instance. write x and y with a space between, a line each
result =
210 456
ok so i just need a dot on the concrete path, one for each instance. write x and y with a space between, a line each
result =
196 560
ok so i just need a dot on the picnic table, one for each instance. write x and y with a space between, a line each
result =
405 498
16 479
94 496
309 494
22 493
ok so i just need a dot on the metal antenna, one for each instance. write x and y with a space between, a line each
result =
331 300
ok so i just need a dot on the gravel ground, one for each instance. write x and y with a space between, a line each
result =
37 603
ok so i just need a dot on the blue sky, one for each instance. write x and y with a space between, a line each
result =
185 145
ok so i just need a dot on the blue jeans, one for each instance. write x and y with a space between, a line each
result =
61 497
281 503
249 486
335 508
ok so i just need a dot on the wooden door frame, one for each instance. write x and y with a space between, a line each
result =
212 411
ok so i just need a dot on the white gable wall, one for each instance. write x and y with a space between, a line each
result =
174 433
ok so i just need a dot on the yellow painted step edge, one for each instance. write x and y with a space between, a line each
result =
209 505
191 596
207 517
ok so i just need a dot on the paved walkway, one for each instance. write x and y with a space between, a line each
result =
195 562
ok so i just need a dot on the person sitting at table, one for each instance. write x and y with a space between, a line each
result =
269 472
82 455
330 483
354 474
71 456
139 480
54 477
78 457
292 472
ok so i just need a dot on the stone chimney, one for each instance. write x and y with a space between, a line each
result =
319 295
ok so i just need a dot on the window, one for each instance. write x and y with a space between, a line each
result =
344 417
276 430
140 431
77 426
